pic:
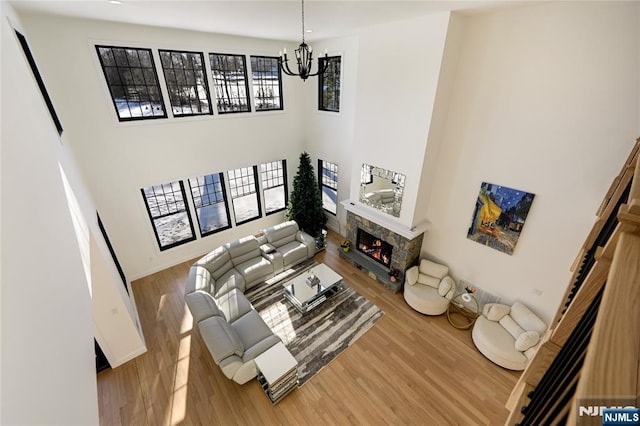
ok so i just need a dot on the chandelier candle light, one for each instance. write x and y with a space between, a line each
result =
304 57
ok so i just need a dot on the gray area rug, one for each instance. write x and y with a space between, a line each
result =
315 338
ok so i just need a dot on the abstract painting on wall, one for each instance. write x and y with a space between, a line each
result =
499 216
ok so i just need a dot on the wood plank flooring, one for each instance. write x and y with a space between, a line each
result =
408 369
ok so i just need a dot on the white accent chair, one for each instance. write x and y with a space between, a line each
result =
428 288
508 335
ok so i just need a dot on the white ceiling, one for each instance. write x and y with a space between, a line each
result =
273 19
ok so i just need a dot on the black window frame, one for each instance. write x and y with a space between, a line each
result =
282 165
224 200
322 82
255 76
193 85
186 209
322 180
217 88
255 191
36 74
124 86
103 231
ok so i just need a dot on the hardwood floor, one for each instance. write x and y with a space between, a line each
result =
408 369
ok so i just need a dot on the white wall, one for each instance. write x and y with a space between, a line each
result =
118 159
544 100
48 368
398 72
329 135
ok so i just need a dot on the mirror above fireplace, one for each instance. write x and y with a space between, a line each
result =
381 189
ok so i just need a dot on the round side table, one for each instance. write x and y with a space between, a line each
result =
463 311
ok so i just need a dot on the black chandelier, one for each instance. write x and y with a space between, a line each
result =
304 57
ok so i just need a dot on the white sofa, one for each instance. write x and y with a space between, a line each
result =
381 196
428 288
232 330
508 335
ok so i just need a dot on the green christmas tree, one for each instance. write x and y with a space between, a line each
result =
305 206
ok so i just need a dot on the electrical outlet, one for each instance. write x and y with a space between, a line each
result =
537 292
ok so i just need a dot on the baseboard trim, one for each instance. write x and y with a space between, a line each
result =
129 357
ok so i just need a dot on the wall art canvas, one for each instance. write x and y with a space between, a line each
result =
499 216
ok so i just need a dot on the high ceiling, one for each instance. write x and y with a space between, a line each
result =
273 19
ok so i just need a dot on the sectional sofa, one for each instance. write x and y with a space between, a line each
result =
232 330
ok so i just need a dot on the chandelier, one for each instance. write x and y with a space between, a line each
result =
304 58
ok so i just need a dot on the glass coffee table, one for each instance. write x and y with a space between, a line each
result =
305 297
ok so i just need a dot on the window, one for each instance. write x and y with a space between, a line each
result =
274 185
169 214
210 199
41 86
329 85
267 86
229 73
246 204
328 177
133 82
186 81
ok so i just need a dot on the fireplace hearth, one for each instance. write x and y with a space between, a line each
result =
376 248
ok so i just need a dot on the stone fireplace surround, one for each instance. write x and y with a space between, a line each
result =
406 252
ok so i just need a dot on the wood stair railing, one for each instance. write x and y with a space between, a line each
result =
591 349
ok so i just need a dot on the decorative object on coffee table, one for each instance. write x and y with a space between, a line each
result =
311 288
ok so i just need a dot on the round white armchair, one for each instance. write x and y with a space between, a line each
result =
428 288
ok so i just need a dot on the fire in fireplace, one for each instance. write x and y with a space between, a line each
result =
374 247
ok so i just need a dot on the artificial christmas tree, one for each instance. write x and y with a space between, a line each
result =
305 202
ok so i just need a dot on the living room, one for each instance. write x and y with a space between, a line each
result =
540 97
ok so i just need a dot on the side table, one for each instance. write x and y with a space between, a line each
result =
463 311
277 372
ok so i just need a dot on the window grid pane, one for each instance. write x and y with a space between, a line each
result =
169 215
274 185
229 73
133 82
267 85
244 194
329 185
186 81
329 85
210 200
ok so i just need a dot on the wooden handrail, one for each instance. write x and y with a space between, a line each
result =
606 282
611 367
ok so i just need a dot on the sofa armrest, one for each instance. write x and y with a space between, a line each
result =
412 275
308 241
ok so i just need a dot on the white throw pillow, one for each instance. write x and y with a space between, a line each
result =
433 269
429 280
445 285
511 326
527 340
497 311
527 319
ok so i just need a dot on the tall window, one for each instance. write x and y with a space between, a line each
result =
229 73
246 204
210 199
133 82
329 85
267 85
169 214
186 80
274 185
328 179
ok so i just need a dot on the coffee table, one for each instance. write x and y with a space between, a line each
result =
304 297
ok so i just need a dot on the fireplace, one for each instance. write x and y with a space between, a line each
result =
406 249
374 247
